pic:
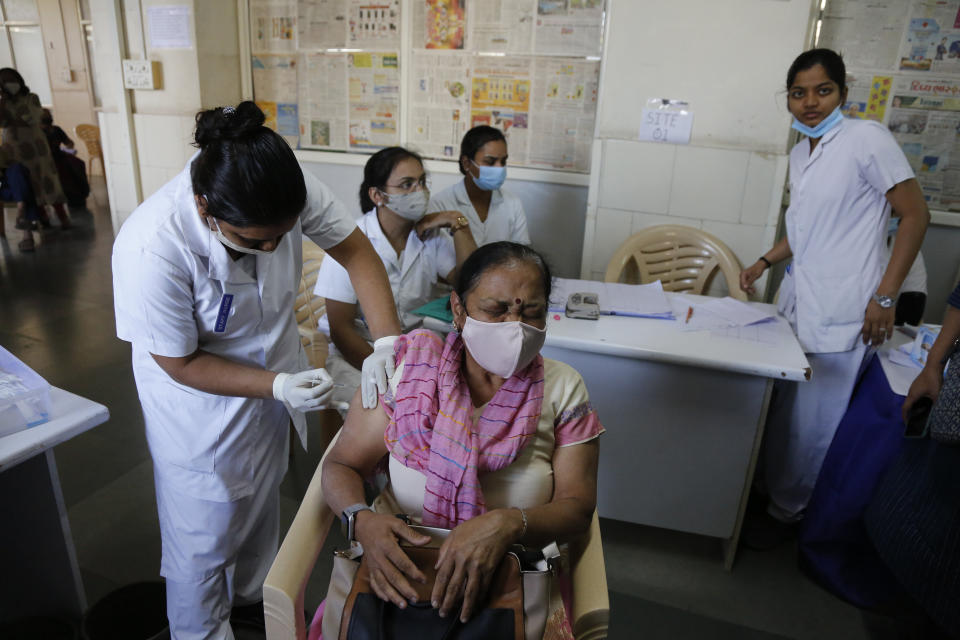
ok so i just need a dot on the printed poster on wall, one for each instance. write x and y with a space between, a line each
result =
374 97
275 90
924 117
932 38
563 112
500 97
502 25
440 24
867 96
323 103
439 102
321 24
273 26
569 27
868 33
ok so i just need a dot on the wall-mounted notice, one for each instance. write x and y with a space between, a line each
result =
569 27
273 26
374 96
169 27
323 100
932 38
666 120
439 102
924 117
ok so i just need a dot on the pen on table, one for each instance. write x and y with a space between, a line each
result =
689 315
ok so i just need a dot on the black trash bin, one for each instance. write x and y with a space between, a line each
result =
135 612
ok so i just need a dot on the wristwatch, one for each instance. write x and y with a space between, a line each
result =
348 519
884 301
462 223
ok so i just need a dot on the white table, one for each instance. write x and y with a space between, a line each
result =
684 413
41 576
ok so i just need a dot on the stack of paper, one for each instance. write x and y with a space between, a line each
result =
640 300
717 313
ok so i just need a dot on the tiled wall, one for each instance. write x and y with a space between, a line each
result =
732 194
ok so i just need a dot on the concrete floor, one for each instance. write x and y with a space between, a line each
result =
56 314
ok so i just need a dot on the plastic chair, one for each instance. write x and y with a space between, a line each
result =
684 259
284 586
308 308
90 134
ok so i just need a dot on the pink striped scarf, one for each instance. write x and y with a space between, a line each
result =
431 425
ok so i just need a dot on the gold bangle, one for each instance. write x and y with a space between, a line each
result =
523 516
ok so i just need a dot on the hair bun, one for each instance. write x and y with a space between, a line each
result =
228 123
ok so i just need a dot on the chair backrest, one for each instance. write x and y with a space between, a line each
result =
684 259
90 134
308 308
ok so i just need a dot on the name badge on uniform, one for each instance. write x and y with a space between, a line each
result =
225 303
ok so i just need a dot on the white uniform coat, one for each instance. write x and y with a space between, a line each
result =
505 219
837 227
176 290
412 274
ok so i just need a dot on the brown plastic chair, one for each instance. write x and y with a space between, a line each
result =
308 308
684 259
283 589
90 134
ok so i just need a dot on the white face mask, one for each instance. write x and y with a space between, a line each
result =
13 88
229 243
410 206
502 348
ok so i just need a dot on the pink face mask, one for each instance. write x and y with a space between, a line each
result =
502 348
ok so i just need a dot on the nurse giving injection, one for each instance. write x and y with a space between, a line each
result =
205 274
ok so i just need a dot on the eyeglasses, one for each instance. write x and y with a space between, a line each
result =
410 184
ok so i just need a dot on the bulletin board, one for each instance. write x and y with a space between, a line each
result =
359 75
903 67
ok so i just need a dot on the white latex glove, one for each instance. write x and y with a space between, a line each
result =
377 370
304 391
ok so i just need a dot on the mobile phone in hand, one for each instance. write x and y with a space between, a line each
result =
917 417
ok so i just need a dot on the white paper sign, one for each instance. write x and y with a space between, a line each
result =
169 27
666 121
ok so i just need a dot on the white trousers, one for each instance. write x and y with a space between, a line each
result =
215 555
803 419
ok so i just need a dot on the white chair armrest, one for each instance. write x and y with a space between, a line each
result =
284 585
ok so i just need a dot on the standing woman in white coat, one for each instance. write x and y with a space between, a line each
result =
205 275
839 293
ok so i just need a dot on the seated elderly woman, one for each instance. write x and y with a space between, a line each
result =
523 471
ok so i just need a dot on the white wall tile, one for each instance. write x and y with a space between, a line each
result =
613 227
708 183
636 176
748 242
760 186
642 221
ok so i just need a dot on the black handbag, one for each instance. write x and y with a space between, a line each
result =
944 424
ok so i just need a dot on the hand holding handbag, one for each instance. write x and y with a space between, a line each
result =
516 605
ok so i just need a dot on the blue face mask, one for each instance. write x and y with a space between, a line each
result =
828 123
491 178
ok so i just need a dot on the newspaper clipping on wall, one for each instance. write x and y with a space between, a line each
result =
924 117
439 99
273 26
932 38
374 96
323 100
327 74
